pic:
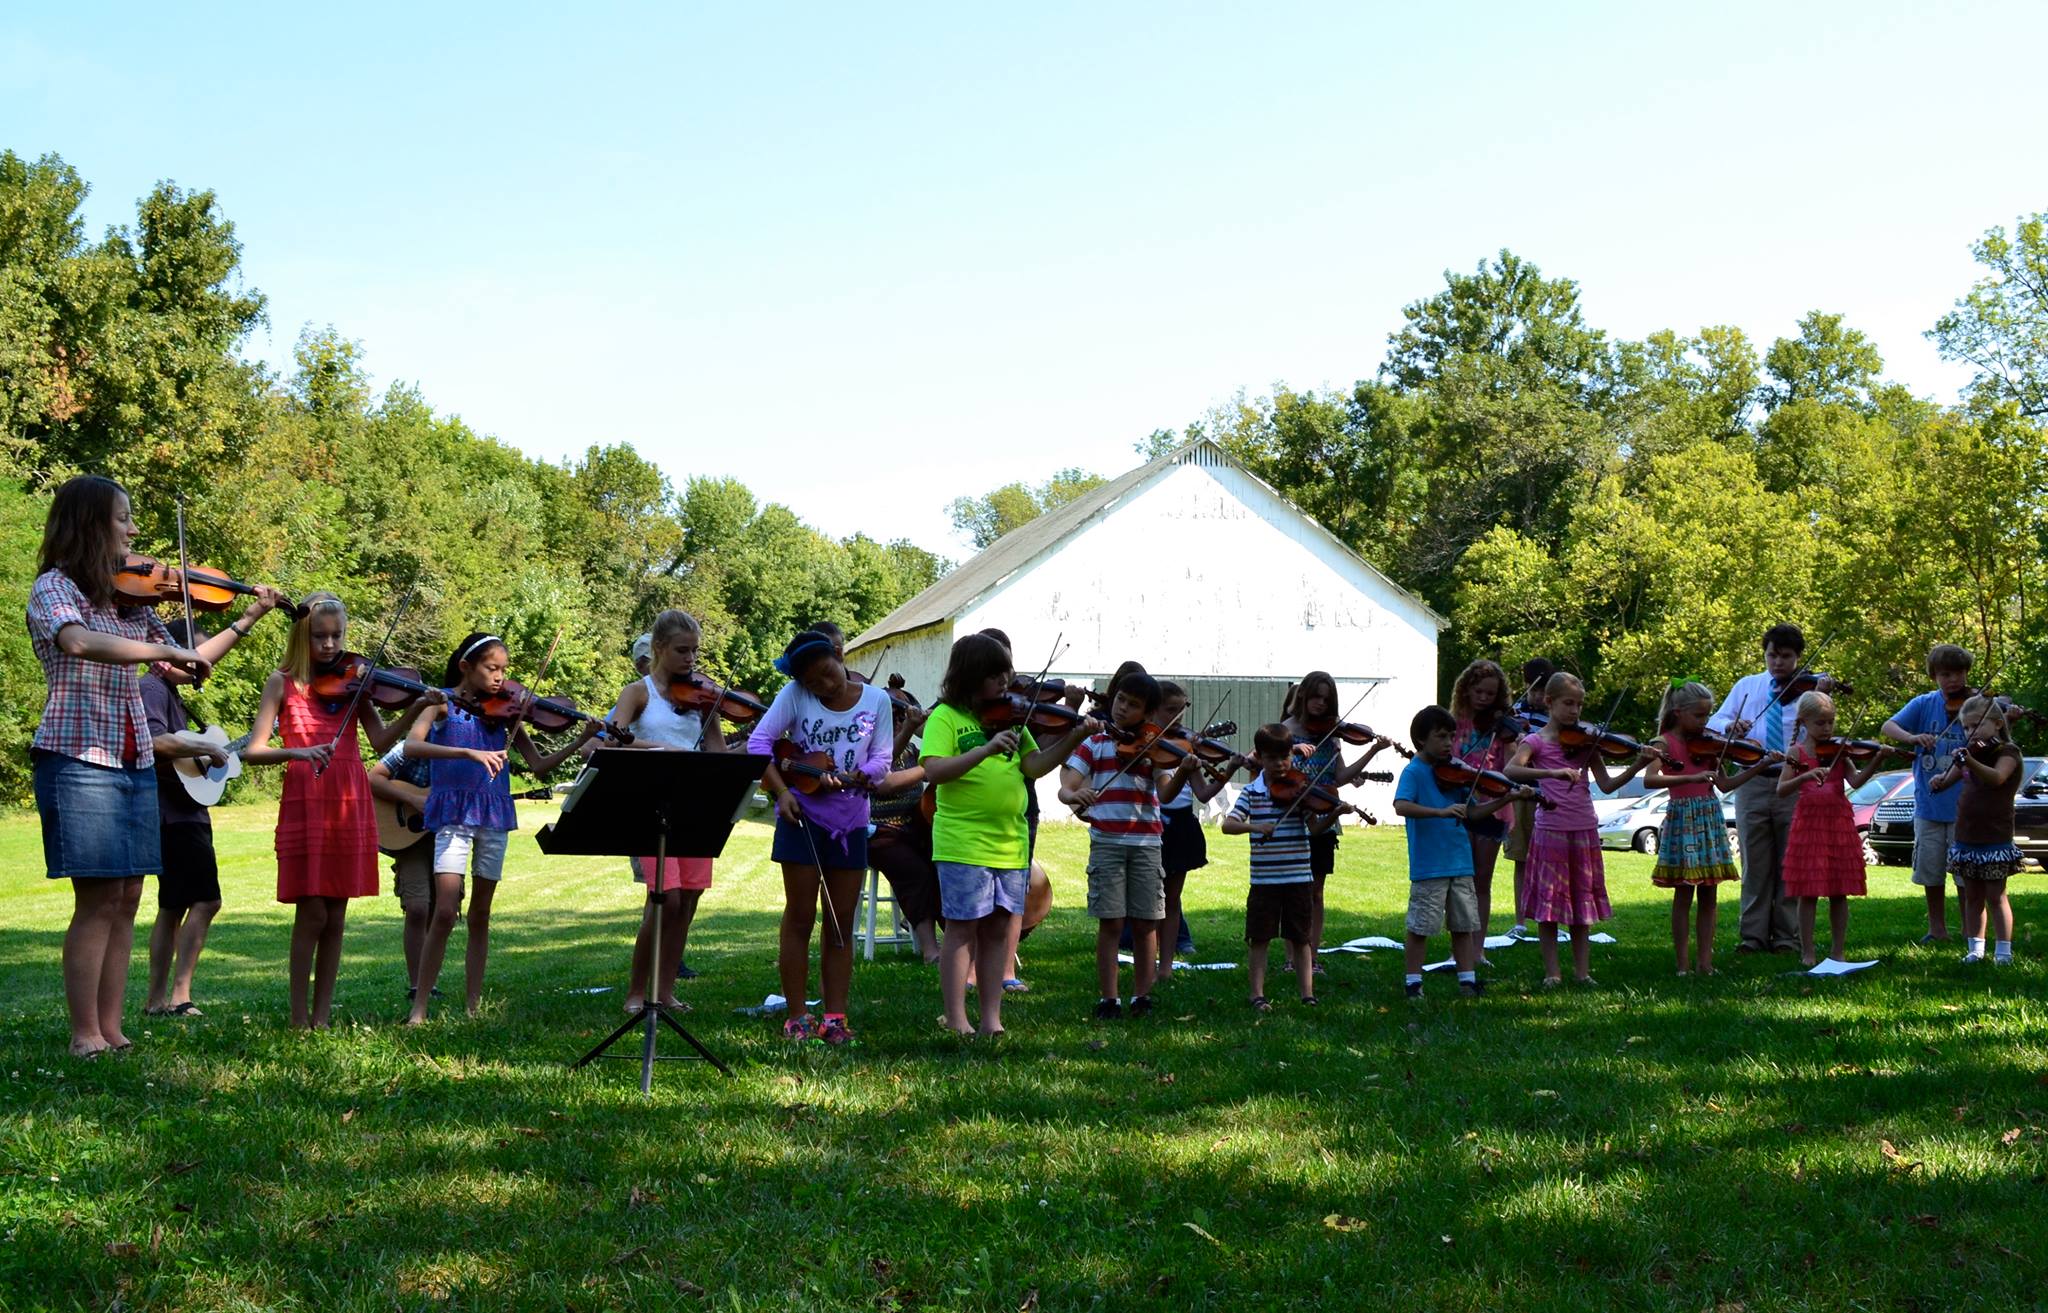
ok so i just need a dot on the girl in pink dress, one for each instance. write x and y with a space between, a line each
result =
1823 855
1567 880
326 829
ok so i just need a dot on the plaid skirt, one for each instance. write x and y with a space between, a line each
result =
1692 845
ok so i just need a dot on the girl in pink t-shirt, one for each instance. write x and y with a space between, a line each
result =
1692 843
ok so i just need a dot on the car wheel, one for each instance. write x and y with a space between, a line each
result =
1646 841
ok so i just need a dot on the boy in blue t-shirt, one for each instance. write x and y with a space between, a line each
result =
1926 724
1439 852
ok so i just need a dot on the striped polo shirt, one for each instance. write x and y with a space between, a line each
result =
1282 859
1127 810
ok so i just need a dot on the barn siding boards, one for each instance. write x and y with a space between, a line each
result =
1195 567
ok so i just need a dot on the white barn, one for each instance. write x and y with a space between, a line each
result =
1201 572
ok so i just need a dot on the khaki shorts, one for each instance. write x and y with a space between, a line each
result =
1433 902
1125 880
1930 852
412 876
1516 843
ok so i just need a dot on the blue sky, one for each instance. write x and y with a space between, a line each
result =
870 258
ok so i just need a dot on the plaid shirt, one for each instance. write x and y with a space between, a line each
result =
92 704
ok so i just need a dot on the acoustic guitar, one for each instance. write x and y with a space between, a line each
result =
400 824
206 783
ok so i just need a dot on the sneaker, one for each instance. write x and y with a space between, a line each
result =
1471 988
683 971
1414 988
835 1031
1973 957
1141 1005
800 1029
1931 938
1109 1009
2002 960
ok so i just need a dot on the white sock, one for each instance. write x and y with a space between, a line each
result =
1975 947
2003 951
1468 977
1414 977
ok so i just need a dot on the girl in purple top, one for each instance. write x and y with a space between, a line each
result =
1567 881
469 806
821 837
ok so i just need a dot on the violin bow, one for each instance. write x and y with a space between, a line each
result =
1355 704
1051 657
362 686
185 591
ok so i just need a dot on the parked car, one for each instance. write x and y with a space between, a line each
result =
1863 802
1633 822
2030 814
1890 836
1891 823
1628 795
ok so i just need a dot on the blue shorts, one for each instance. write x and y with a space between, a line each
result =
968 893
807 843
99 822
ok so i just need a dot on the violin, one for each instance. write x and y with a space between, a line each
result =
1598 738
1809 681
514 702
1145 742
1486 785
1290 786
1828 751
1522 724
1011 710
1953 704
903 699
807 772
692 692
1357 735
392 688
146 581
1713 746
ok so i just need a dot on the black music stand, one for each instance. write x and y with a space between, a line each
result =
637 803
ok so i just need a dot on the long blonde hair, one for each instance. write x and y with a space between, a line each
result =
1687 694
298 649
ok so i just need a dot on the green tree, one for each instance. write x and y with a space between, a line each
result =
2000 328
988 517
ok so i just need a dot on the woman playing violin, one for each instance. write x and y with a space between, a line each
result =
645 708
469 804
95 784
841 733
326 825
1311 717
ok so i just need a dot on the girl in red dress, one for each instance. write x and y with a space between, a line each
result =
326 830
1823 854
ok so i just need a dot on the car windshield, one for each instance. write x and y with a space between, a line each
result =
1877 786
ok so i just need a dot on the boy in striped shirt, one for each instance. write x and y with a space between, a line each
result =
1282 896
1125 878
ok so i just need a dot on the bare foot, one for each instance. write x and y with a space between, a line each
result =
415 1019
88 1048
675 1004
635 1002
117 1041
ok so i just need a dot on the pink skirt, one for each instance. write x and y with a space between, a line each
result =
676 872
1567 881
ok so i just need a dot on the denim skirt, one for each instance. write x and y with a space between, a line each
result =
99 822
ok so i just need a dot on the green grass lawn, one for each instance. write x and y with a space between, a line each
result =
1754 1141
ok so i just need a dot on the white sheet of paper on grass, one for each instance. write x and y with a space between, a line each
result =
1448 964
1186 966
1832 967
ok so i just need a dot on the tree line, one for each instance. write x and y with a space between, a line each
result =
120 356
1640 511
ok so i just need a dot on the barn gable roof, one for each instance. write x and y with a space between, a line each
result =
1026 544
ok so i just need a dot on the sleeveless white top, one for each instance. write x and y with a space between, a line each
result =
659 722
